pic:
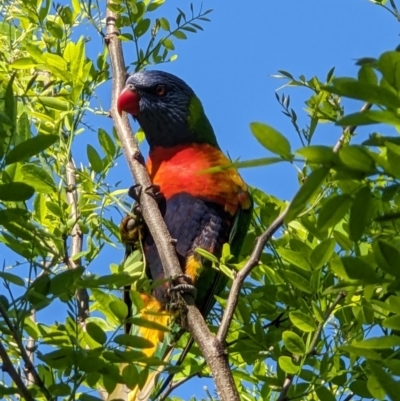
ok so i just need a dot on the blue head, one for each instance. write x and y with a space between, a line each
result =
166 108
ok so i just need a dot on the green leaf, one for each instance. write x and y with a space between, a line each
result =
16 192
375 388
40 180
333 211
131 340
88 397
361 352
392 322
311 185
106 143
358 269
142 322
57 103
370 117
322 253
367 75
384 342
23 128
389 66
264 161
119 309
324 394
130 376
359 213
142 27
64 282
342 240
272 140
356 157
298 281
390 386
94 159
12 278
23 63
168 44
180 35
387 256
295 258
287 365
317 154
293 343
351 88
393 156
10 102
96 332
165 24
59 389
30 147
359 387
303 321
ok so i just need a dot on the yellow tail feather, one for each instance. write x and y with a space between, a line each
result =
152 312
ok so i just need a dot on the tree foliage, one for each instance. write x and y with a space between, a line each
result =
318 318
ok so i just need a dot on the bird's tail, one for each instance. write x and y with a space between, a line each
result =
154 325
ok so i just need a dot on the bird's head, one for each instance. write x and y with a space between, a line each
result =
166 108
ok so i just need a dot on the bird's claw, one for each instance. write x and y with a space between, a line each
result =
184 289
154 190
135 191
184 285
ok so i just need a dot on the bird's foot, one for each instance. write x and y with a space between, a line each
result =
183 284
132 226
135 191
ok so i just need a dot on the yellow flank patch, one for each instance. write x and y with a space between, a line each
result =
193 268
153 312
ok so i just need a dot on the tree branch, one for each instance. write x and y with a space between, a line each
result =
209 345
243 273
76 240
9 368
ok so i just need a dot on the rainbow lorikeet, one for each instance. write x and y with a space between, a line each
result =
201 209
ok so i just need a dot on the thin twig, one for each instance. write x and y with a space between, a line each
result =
174 385
289 378
327 313
76 240
211 348
10 369
243 273
29 367
348 131
30 346
349 397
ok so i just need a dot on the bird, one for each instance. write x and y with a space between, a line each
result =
201 208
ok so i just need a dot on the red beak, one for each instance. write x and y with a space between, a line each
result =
128 101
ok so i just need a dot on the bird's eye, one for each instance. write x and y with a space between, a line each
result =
160 90
130 87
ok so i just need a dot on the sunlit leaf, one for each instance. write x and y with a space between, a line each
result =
272 140
30 147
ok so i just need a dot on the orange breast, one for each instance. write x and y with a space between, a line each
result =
182 169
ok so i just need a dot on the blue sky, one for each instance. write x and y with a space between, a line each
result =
230 64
